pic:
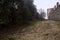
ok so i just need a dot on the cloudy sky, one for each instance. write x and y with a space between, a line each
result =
45 4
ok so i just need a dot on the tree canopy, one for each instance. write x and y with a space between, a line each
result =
17 12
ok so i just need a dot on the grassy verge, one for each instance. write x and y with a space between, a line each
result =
30 23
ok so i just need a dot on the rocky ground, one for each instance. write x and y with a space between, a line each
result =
42 30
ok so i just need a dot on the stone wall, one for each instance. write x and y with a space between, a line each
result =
55 15
50 10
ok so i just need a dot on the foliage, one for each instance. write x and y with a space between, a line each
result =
13 12
42 13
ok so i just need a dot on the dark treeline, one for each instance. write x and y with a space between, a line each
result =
14 12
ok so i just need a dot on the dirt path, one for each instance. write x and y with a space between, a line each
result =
42 30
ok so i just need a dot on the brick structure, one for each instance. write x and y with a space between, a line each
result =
54 13
50 10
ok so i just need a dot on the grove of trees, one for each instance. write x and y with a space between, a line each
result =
13 12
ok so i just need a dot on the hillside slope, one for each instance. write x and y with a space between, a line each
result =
42 30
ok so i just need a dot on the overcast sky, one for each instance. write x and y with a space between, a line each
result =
44 4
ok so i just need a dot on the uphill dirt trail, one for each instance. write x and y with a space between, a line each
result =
42 30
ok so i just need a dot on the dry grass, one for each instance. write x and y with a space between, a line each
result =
42 30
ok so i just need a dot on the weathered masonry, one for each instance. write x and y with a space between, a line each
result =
54 13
